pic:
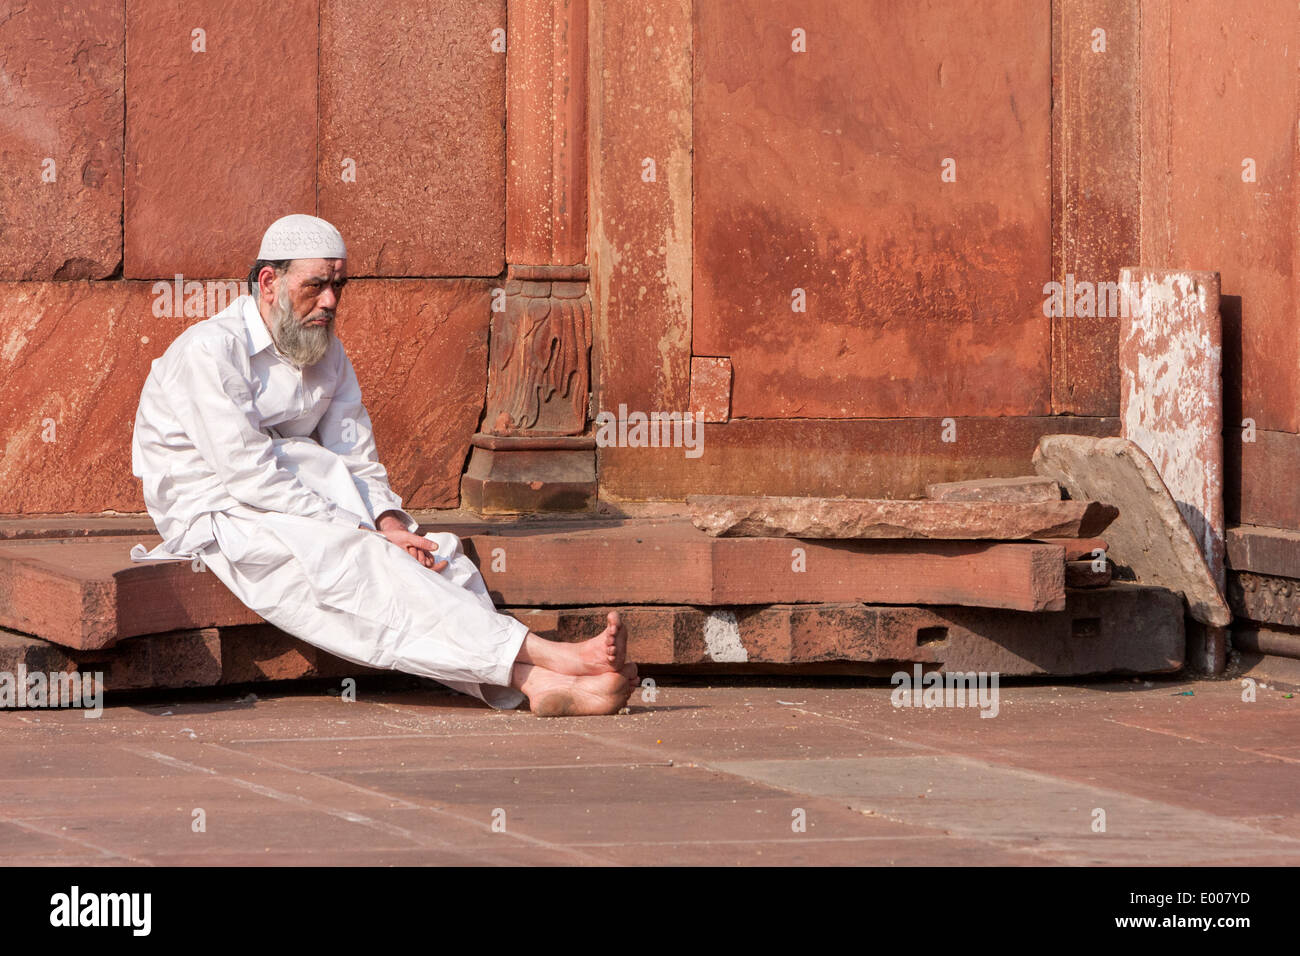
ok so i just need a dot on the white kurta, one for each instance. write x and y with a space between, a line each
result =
265 473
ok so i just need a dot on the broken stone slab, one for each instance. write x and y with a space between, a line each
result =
765 517
1150 536
1012 490
1171 393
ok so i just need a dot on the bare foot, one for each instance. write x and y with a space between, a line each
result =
606 653
566 695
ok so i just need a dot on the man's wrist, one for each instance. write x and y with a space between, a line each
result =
390 521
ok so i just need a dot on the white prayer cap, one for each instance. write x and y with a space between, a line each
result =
302 237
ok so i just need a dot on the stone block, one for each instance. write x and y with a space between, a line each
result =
711 388
61 142
412 135
1011 490
220 142
1150 538
1171 393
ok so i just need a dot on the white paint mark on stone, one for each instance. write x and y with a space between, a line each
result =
722 638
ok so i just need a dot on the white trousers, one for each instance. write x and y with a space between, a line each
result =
360 597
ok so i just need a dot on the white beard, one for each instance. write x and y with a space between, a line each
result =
302 344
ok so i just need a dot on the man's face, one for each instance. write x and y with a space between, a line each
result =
302 318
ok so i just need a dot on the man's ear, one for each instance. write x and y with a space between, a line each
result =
266 281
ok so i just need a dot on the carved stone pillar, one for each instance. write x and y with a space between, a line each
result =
531 454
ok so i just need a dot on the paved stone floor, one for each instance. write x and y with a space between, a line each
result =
711 772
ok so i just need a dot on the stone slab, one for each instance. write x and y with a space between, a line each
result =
773 516
1078 548
219 144
86 593
1171 393
1261 488
427 197
1012 490
1087 574
1264 550
1150 537
63 90
863 458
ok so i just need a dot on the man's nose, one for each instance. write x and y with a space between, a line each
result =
327 299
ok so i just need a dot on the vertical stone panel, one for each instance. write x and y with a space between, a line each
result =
220 143
824 171
1096 189
413 94
420 351
61 121
73 358
640 125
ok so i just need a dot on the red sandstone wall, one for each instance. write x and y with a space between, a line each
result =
181 167
726 171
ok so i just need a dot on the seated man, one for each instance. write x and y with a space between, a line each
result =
257 459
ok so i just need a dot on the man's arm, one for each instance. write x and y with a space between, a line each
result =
345 430
213 400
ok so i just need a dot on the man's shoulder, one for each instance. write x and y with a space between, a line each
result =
222 334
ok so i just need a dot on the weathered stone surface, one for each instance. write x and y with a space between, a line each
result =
220 143
73 357
865 518
641 243
62 104
866 458
1122 628
513 478
1095 192
1021 489
1262 489
919 301
1150 537
1087 574
711 388
1171 393
1264 550
420 351
1020 576
546 131
414 97
1079 548
1219 88
1265 598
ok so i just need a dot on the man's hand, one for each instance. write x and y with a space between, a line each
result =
417 546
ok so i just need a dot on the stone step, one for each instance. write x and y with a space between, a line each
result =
1123 628
86 593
